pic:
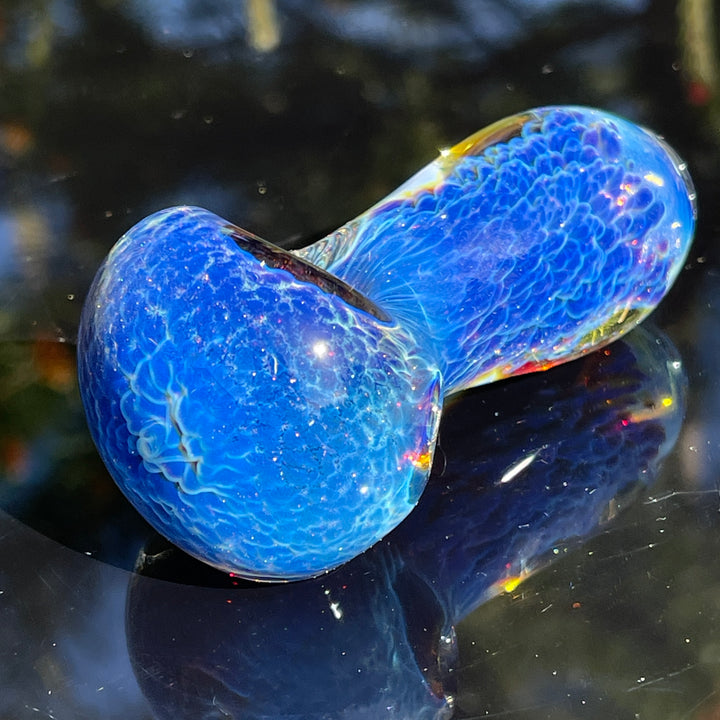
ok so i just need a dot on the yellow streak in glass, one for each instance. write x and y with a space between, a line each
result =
477 143
511 583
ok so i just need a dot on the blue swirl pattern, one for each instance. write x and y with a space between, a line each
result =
275 414
530 242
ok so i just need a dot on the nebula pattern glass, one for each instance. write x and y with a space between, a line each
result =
275 413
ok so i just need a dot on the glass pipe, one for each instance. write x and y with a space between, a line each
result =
375 639
275 413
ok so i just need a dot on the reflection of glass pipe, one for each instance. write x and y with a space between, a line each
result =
275 414
375 638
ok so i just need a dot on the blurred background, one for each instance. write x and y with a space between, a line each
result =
289 117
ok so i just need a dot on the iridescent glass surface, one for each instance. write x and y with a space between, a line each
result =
563 561
276 414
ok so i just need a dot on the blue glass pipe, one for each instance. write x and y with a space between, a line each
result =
275 413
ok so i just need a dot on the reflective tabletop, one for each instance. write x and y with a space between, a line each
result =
563 561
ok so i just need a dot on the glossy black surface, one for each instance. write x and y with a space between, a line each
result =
289 125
